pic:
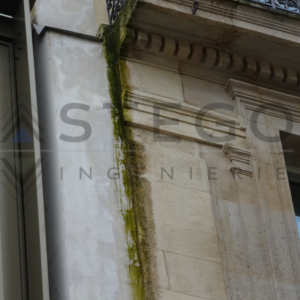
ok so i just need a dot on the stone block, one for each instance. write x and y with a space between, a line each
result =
251 66
291 77
277 74
237 63
172 167
197 53
200 93
141 40
169 46
184 221
169 295
264 70
155 81
223 61
210 57
159 269
184 50
145 137
260 288
289 289
281 251
195 277
155 42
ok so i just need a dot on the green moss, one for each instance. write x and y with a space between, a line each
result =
113 37
141 196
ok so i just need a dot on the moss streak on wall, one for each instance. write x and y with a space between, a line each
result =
141 195
113 36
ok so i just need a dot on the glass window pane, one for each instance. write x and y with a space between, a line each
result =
298 224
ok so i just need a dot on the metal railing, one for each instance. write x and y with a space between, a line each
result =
113 9
287 5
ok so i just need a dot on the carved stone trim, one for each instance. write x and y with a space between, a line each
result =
264 100
139 110
239 158
242 172
272 195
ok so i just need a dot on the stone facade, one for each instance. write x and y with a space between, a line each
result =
206 96
161 163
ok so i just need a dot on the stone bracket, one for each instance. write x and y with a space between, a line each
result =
240 159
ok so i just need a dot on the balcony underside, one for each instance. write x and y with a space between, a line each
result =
229 26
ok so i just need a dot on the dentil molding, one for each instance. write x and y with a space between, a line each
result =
232 64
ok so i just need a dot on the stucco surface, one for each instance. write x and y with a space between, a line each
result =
83 16
92 229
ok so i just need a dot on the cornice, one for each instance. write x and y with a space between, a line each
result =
141 99
245 91
155 113
266 101
171 117
236 88
202 56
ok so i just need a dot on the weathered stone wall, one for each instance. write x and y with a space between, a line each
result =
225 81
179 224
220 221
180 227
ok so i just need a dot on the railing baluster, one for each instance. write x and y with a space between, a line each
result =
273 4
113 9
